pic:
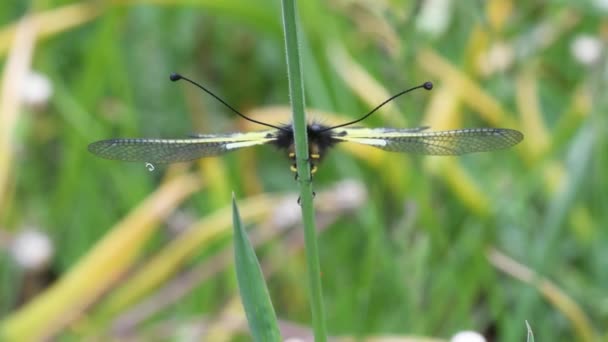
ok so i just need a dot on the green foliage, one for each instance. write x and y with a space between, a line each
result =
482 242
252 287
305 200
530 337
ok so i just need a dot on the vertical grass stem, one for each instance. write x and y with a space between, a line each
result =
296 92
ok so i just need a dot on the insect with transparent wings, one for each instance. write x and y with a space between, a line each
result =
320 139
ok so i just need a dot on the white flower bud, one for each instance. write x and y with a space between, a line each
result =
31 249
434 17
468 336
37 90
586 49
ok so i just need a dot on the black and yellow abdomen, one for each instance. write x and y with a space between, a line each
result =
319 141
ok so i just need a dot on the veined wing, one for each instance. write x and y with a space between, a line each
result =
440 143
178 150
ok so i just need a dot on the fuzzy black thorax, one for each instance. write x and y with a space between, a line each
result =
319 139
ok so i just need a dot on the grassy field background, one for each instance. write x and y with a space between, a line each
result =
411 247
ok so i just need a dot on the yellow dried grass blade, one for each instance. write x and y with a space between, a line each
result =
537 136
498 13
15 71
168 261
52 22
460 183
364 84
443 113
488 107
97 270
556 296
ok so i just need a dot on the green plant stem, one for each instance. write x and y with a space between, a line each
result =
296 92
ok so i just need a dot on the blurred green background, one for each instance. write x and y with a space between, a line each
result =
412 247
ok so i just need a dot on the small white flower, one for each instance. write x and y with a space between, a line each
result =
586 49
498 58
37 90
287 213
348 195
434 17
468 336
31 249
601 5
294 339
180 221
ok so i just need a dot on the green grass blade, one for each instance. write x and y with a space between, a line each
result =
261 317
296 94
530 333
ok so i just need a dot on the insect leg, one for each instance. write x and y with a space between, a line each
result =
314 194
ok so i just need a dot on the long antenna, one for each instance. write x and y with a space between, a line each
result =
425 85
176 77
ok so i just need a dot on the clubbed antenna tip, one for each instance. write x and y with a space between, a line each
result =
426 85
176 77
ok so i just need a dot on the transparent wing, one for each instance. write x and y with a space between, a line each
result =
440 143
177 150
